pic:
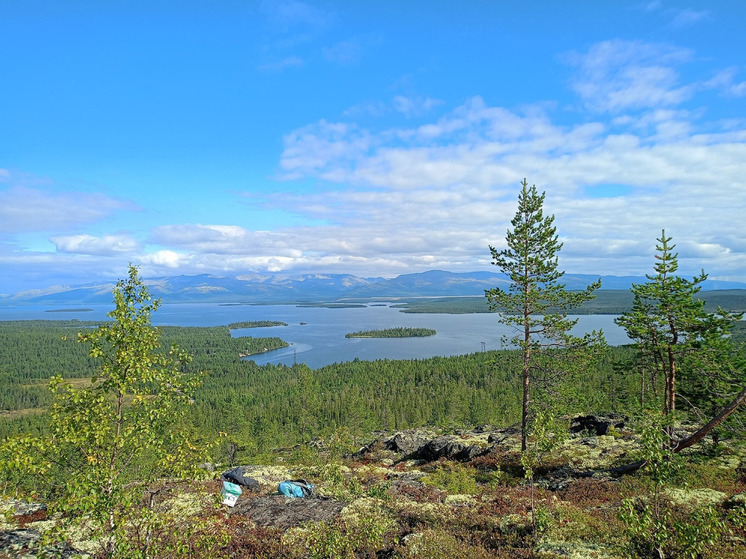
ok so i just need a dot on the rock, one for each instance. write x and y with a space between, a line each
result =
24 544
471 452
30 512
439 447
560 479
735 501
23 513
425 445
408 442
14 541
450 449
501 435
598 424
280 512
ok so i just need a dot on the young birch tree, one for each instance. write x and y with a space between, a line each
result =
113 436
536 303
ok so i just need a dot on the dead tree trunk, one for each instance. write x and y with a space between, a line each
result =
700 433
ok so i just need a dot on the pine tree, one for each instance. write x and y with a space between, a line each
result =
536 302
672 330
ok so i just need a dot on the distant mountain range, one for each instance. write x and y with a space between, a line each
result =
298 288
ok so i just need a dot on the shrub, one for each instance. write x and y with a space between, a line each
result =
454 478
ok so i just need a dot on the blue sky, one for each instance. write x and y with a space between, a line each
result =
369 137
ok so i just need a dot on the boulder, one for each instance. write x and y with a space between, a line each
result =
450 449
408 442
280 512
440 447
26 513
597 424
499 436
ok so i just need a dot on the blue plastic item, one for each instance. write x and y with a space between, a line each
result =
295 488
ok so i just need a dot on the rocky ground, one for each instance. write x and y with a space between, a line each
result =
426 493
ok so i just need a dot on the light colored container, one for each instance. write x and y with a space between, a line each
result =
230 493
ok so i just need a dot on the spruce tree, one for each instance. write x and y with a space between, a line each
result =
536 303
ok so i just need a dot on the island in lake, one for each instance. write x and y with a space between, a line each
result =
393 333
256 324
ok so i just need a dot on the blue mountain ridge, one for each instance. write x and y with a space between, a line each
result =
299 288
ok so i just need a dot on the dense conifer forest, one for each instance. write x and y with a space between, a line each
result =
268 403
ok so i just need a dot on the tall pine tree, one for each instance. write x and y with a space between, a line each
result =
536 303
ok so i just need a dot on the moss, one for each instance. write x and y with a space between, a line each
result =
515 523
268 475
576 550
372 471
695 497
596 452
434 543
413 513
574 524
459 500
361 507
186 504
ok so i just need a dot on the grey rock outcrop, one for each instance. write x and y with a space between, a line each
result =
447 447
409 442
282 512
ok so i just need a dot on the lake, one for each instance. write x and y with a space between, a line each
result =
317 334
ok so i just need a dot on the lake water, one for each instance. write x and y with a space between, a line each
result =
317 335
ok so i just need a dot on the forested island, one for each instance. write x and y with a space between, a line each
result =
393 333
256 324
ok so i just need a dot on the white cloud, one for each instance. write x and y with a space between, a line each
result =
619 75
24 209
724 80
87 244
683 19
441 191
164 259
310 148
367 108
223 240
678 18
414 106
434 193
